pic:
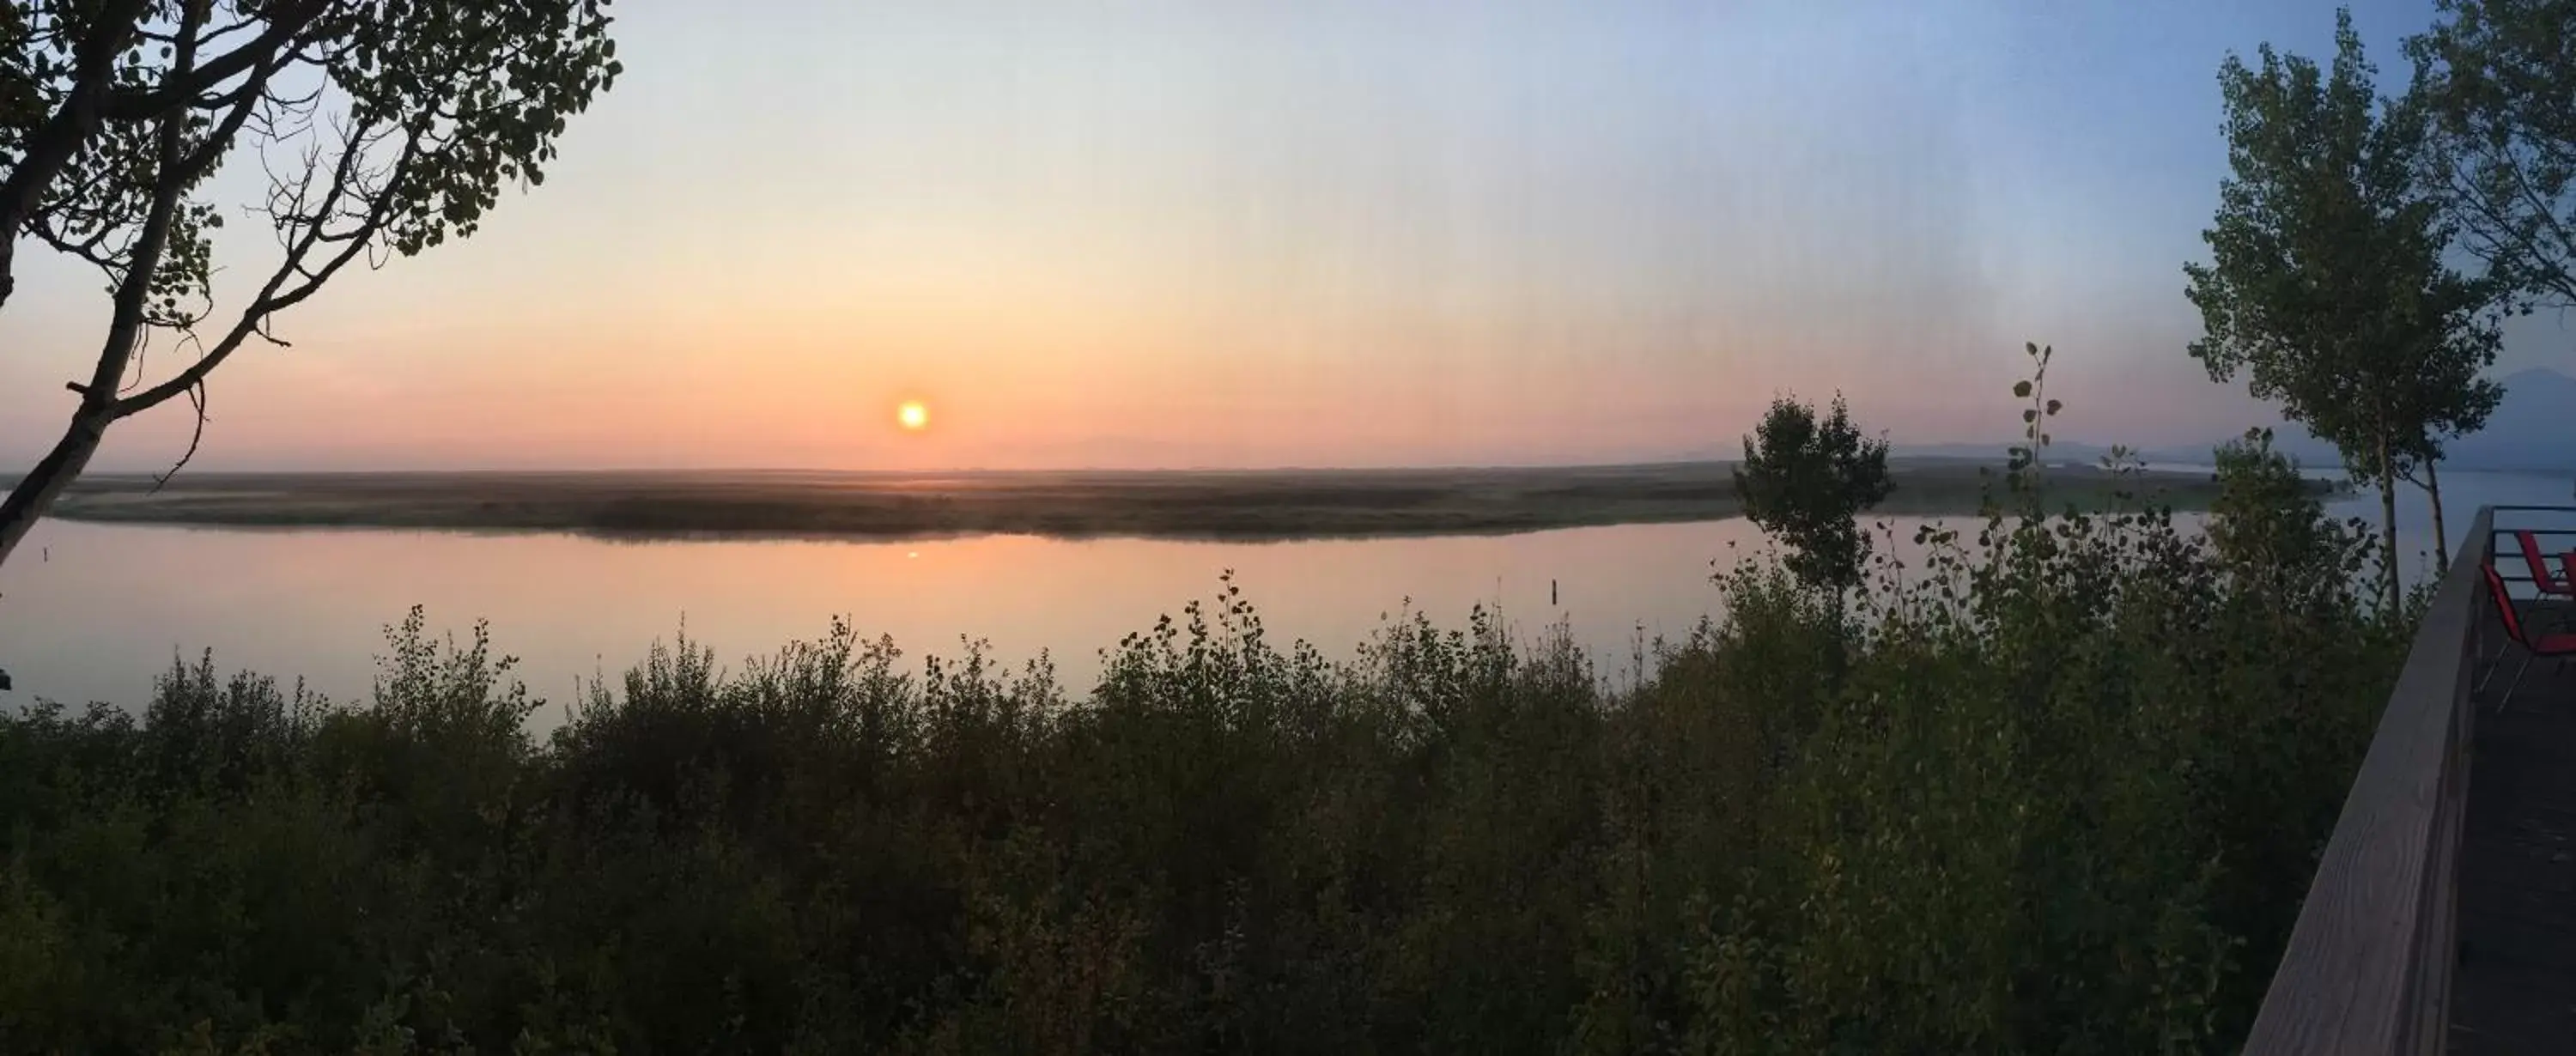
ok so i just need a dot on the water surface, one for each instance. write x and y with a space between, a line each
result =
93 611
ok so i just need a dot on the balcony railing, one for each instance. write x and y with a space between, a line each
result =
2370 964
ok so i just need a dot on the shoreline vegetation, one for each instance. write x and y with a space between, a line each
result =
1245 505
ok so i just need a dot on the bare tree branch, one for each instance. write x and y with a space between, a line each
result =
2545 217
197 398
239 25
276 294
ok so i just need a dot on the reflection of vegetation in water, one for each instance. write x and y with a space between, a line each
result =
2061 787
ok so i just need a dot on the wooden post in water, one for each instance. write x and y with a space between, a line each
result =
1551 592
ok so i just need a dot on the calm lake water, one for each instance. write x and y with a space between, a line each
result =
93 612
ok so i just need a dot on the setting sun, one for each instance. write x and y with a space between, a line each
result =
912 415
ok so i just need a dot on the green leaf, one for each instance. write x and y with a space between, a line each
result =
2021 389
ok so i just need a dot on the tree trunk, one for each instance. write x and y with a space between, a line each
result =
2441 531
36 493
2388 520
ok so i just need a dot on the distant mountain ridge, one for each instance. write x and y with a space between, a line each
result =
2533 429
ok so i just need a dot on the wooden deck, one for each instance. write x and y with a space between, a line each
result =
2443 914
2514 990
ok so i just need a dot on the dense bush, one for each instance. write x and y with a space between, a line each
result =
2059 789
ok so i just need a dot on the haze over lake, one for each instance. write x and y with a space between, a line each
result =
105 607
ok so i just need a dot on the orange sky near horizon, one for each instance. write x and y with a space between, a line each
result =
1163 235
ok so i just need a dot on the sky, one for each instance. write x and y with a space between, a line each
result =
1324 233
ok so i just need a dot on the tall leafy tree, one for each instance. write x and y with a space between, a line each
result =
2326 286
385 128
2496 81
1804 479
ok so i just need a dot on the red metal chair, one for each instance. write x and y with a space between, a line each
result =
2555 645
2541 579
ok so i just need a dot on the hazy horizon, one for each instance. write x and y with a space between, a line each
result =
1157 235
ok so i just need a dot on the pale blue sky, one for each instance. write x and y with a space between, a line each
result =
1317 233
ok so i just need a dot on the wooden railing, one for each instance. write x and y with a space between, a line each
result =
2367 970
